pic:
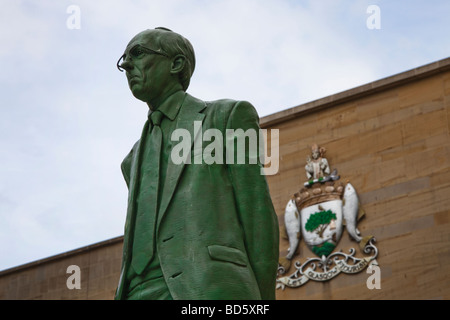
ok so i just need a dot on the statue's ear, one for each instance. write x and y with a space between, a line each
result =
177 64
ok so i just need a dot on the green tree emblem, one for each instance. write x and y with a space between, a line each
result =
319 221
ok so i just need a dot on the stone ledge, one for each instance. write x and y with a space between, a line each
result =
358 92
63 255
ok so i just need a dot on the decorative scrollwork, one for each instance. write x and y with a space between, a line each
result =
326 268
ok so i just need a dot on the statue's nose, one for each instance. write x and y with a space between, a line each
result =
126 65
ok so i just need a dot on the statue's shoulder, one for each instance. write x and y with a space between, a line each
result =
220 105
213 106
219 112
217 109
230 113
227 107
223 103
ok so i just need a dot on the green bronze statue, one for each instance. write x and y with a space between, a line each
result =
194 230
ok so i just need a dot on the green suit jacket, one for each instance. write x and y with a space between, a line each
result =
216 231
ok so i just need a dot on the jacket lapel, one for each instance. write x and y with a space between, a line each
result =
189 116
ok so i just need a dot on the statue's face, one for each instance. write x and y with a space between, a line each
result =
315 154
147 70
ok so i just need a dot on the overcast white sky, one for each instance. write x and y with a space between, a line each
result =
67 117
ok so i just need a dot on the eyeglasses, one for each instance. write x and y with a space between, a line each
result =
136 52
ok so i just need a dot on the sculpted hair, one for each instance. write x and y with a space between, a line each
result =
173 44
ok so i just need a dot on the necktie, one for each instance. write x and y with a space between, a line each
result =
144 232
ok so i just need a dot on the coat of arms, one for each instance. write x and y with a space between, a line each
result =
318 214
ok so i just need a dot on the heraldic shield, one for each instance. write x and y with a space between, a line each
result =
318 214
321 226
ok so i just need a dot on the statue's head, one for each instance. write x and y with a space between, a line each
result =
317 151
156 62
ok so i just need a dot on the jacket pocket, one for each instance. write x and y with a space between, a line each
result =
228 254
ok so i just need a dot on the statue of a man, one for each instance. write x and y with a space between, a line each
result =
193 231
317 167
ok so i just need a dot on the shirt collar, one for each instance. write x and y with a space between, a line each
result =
172 105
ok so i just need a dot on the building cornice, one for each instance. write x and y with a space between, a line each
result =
63 255
357 92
